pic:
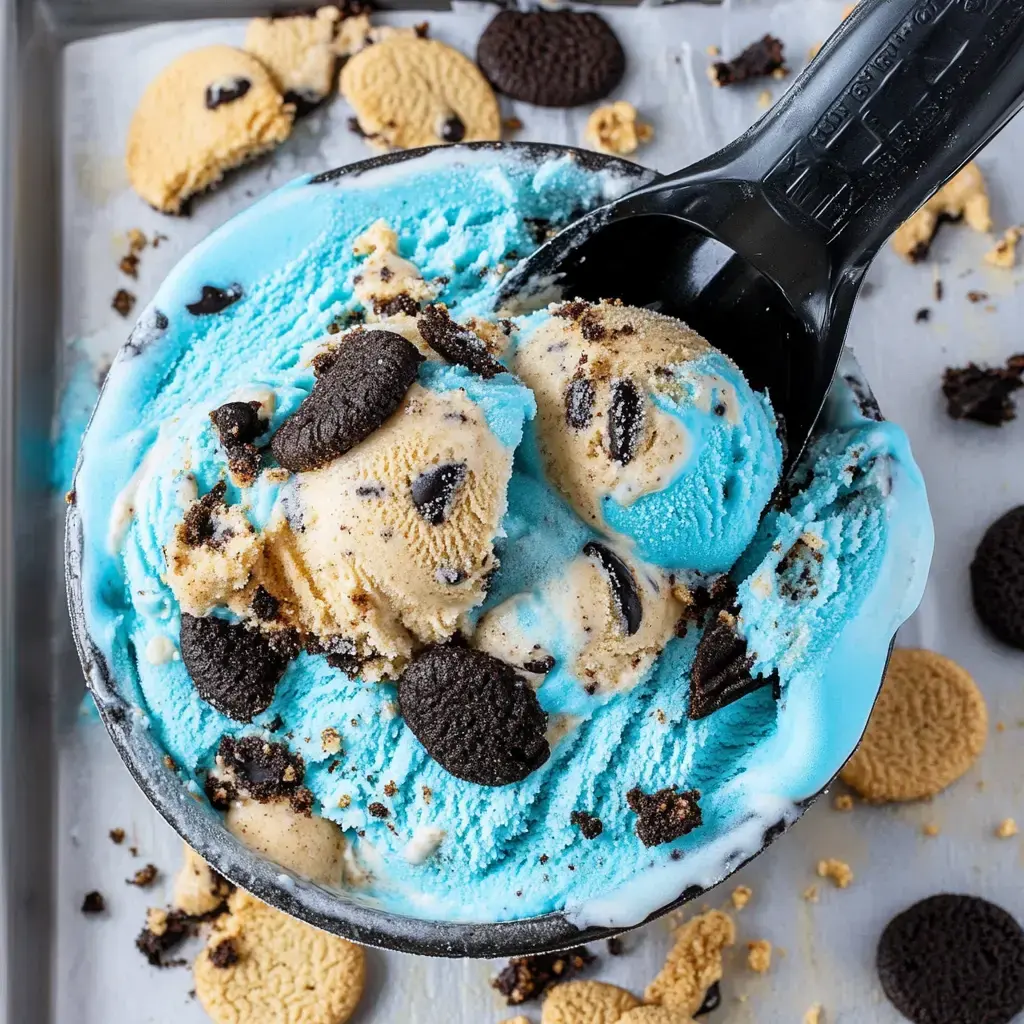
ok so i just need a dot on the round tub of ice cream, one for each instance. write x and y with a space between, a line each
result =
466 635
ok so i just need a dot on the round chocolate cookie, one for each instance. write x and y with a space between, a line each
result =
997 578
953 959
551 58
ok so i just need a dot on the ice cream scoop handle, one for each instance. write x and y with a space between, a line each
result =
897 101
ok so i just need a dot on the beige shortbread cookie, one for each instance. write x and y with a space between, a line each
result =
694 963
198 889
655 1015
410 92
927 728
614 128
263 967
586 1002
300 51
206 112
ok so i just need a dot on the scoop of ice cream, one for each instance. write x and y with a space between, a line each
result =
650 432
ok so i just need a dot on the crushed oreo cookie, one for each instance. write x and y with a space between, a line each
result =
525 978
198 522
665 815
237 422
214 300
226 90
579 403
983 394
759 60
403 303
266 771
265 606
224 954
540 666
363 386
589 826
94 903
474 715
455 343
625 420
721 671
622 583
234 669
433 491
175 927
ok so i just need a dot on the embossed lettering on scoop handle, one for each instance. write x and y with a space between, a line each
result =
900 98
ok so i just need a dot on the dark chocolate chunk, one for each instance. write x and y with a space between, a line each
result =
953 959
433 491
198 520
224 954
664 815
214 300
982 393
455 343
452 129
760 59
623 585
474 715
154 946
264 605
267 771
551 58
234 668
625 420
721 671
237 422
94 903
123 302
364 385
226 90
590 826
579 403
528 977
997 578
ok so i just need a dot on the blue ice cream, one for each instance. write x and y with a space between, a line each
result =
666 632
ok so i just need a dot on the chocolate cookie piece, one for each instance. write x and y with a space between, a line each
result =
364 385
721 671
997 578
588 825
455 343
234 668
214 300
551 58
983 393
434 490
759 60
953 959
528 977
237 422
265 771
625 420
664 815
622 583
476 717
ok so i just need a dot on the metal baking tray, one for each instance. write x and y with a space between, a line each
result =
62 786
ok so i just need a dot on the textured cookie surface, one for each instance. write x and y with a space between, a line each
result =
409 92
693 964
205 113
654 1015
997 578
953 959
587 1002
927 728
551 58
263 967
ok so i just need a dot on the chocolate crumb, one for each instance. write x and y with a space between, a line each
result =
759 60
378 810
94 903
123 302
665 815
938 290
264 605
144 877
175 927
590 826
224 954
976 296
528 977
116 836
129 265
923 315
982 393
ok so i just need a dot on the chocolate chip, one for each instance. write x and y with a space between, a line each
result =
452 129
224 954
237 422
721 671
528 977
590 826
226 90
983 394
264 605
664 815
234 668
474 715
214 300
622 583
364 385
579 403
625 421
760 59
94 903
433 491
455 343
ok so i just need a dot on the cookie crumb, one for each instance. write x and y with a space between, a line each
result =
838 871
814 1014
762 59
144 877
94 903
516 1020
930 829
923 315
741 896
224 954
665 815
693 966
116 836
614 946
588 825
843 802
1004 253
614 128
810 894
982 393
330 741
759 955
512 124
528 977
764 99
123 302
1007 828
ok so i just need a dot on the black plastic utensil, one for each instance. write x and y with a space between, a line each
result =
763 246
